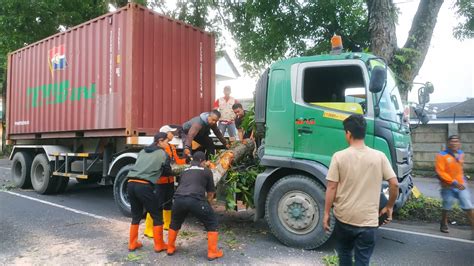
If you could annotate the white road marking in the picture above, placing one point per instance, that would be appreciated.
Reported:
(5, 168)
(428, 235)
(62, 207)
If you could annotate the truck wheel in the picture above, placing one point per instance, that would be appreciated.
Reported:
(41, 179)
(21, 168)
(120, 191)
(294, 211)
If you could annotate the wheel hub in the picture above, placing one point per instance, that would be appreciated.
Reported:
(298, 212)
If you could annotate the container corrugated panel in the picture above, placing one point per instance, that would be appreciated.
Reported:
(126, 73)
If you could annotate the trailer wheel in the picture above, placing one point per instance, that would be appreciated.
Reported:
(41, 179)
(294, 211)
(120, 191)
(21, 168)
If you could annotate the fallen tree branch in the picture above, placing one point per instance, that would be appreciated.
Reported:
(224, 161)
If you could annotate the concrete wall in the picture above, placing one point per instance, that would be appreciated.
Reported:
(429, 139)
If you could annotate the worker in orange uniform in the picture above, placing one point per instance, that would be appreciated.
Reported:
(165, 184)
(449, 167)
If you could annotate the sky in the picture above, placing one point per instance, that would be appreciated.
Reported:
(449, 64)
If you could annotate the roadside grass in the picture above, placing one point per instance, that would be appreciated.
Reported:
(428, 209)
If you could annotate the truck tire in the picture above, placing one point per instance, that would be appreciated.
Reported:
(21, 170)
(41, 179)
(120, 191)
(294, 211)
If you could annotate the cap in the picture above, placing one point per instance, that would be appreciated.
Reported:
(160, 136)
(167, 129)
(199, 156)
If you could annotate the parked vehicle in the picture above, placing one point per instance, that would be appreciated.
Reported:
(299, 107)
(82, 103)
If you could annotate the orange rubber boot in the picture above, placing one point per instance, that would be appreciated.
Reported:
(172, 234)
(133, 242)
(158, 238)
(212, 251)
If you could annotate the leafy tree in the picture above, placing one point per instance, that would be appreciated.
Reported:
(407, 60)
(465, 29)
(268, 30)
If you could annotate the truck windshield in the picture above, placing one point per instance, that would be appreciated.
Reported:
(391, 106)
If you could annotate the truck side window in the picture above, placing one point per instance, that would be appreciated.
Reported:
(335, 87)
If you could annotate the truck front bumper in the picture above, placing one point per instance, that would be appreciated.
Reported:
(405, 186)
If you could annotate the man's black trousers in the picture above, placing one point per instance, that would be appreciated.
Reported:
(165, 193)
(143, 195)
(200, 209)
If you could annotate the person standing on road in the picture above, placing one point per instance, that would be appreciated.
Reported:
(449, 167)
(198, 129)
(165, 184)
(224, 106)
(240, 115)
(190, 197)
(152, 162)
(353, 191)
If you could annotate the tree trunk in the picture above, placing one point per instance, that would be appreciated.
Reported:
(224, 161)
(407, 61)
(382, 18)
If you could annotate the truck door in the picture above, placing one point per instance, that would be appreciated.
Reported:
(326, 93)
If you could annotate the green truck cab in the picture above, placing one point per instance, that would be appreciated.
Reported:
(300, 104)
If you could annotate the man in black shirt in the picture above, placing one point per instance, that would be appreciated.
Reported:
(190, 197)
(240, 114)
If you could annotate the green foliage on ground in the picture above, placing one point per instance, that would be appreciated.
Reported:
(428, 209)
(330, 260)
(240, 181)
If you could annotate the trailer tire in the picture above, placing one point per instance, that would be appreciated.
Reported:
(41, 179)
(294, 211)
(21, 170)
(120, 191)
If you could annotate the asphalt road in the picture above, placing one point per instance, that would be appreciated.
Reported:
(83, 226)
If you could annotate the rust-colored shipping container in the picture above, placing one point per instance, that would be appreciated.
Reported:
(126, 73)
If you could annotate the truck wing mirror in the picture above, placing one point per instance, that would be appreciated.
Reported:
(377, 79)
(424, 93)
(421, 114)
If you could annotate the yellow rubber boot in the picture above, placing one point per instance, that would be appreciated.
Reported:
(148, 226)
(166, 219)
